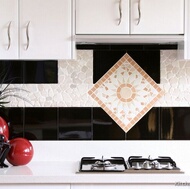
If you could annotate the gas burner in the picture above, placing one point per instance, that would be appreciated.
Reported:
(162, 162)
(113, 164)
(103, 165)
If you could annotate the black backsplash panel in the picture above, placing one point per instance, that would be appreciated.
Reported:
(175, 123)
(37, 72)
(40, 123)
(104, 127)
(147, 128)
(149, 61)
(40, 72)
(11, 71)
(15, 119)
(77, 123)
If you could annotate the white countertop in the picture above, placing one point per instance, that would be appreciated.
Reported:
(65, 172)
(57, 162)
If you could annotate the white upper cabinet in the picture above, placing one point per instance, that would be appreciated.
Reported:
(129, 16)
(157, 16)
(36, 29)
(8, 29)
(45, 29)
(102, 16)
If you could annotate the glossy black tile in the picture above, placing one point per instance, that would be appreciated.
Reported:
(75, 123)
(11, 71)
(29, 71)
(149, 61)
(147, 128)
(41, 71)
(175, 123)
(165, 123)
(40, 123)
(104, 127)
(4, 113)
(103, 61)
(14, 118)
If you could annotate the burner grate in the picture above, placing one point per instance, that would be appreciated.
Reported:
(92, 164)
(162, 162)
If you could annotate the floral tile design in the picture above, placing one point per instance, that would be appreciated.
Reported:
(126, 92)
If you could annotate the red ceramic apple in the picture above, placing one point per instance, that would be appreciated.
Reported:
(4, 128)
(21, 151)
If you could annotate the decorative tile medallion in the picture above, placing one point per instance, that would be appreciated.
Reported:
(126, 92)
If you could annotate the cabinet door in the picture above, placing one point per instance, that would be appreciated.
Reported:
(45, 29)
(157, 16)
(102, 16)
(8, 29)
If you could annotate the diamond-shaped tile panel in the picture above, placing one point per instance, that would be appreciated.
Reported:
(126, 92)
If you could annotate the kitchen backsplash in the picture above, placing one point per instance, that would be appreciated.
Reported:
(75, 79)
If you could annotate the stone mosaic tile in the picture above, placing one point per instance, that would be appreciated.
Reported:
(126, 92)
(175, 80)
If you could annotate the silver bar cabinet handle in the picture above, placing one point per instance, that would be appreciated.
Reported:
(9, 35)
(139, 11)
(120, 12)
(27, 36)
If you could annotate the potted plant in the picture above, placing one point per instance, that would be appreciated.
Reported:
(6, 91)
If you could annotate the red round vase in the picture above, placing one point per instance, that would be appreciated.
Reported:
(4, 128)
(21, 151)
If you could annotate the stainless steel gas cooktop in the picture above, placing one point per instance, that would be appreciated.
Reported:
(134, 164)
